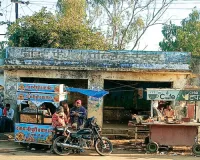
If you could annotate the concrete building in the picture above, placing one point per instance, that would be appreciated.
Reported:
(122, 73)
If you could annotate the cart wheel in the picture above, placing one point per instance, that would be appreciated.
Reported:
(152, 147)
(196, 149)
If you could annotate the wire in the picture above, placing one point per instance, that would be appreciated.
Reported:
(10, 12)
(123, 90)
(22, 10)
(29, 8)
(6, 6)
(41, 4)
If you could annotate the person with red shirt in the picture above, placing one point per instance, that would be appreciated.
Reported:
(59, 119)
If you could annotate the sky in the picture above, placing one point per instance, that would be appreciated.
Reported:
(177, 11)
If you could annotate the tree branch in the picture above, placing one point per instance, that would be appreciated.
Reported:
(153, 20)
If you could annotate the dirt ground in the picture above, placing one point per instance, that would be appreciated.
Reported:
(123, 149)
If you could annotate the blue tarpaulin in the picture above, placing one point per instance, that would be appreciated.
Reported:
(92, 93)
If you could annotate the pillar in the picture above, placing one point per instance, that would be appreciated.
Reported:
(95, 105)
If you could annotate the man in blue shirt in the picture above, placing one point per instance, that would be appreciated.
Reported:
(1, 112)
(77, 115)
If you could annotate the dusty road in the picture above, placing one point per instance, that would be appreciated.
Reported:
(43, 155)
(11, 151)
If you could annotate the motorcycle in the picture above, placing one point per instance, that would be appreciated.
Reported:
(86, 138)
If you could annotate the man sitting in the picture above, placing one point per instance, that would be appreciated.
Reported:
(59, 119)
(7, 124)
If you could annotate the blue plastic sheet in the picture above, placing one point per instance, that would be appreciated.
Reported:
(92, 93)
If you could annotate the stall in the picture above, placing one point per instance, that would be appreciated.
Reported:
(34, 120)
(181, 131)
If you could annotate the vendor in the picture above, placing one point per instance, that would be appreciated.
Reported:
(169, 112)
(46, 111)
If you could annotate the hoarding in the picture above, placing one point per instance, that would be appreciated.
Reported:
(33, 133)
(40, 97)
(40, 87)
(173, 94)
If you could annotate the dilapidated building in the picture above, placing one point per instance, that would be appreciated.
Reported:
(125, 74)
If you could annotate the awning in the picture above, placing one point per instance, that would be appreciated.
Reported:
(92, 93)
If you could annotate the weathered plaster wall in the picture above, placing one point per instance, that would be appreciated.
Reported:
(90, 59)
(179, 80)
(95, 81)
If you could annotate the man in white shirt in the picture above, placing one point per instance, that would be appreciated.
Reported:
(9, 112)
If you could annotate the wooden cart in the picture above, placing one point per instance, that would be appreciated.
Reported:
(162, 134)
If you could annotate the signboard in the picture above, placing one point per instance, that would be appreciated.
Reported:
(159, 94)
(33, 133)
(40, 97)
(40, 87)
(173, 94)
(98, 59)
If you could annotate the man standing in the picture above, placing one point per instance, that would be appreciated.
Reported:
(78, 115)
(66, 110)
(1, 112)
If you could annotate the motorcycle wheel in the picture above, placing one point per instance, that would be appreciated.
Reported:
(58, 149)
(103, 146)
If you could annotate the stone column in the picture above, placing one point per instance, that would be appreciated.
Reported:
(95, 105)
(10, 90)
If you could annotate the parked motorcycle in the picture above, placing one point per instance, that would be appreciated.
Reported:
(86, 138)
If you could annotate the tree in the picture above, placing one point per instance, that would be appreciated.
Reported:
(39, 30)
(43, 29)
(2, 49)
(72, 12)
(124, 22)
(185, 37)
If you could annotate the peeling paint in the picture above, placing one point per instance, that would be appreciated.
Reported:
(99, 59)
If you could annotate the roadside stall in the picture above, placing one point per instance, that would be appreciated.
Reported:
(174, 131)
(37, 103)
(34, 122)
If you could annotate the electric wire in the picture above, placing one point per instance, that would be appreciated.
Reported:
(10, 13)
(22, 9)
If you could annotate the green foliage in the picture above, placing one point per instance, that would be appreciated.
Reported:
(65, 30)
(185, 37)
(3, 49)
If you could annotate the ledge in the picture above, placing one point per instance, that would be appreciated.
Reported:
(30, 67)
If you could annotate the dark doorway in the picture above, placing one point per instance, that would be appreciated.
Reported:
(126, 97)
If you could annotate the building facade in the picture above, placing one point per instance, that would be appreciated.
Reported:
(96, 70)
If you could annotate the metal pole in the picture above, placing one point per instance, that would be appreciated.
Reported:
(152, 104)
(16, 10)
(195, 110)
